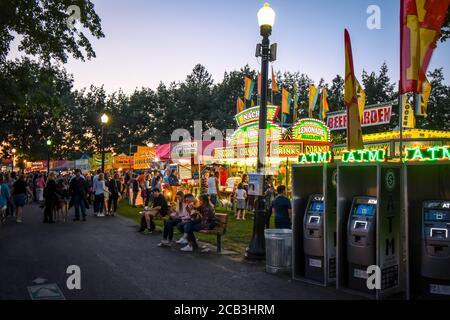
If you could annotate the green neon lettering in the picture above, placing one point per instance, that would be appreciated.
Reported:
(373, 155)
(303, 158)
(361, 154)
(416, 154)
(322, 157)
(349, 156)
(313, 157)
(432, 153)
(445, 153)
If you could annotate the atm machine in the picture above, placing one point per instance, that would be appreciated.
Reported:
(361, 241)
(313, 238)
(435, 251)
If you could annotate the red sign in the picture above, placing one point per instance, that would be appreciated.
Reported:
(371, 117)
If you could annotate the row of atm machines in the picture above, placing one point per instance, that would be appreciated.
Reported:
(360, 247)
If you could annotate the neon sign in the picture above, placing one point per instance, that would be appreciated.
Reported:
(365, 155)
(313, 157)
(311, 130)
(427, 154)
(252, 115)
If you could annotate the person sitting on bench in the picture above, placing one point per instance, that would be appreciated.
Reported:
(179, 218)
(159, 207)
(203, 219)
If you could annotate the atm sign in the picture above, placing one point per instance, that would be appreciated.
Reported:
(427, 154)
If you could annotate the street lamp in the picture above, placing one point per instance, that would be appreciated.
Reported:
(13, 151)
(49, 144)
(266, 20)
(104, 119)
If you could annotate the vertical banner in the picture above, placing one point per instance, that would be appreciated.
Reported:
(313, 96)
(354, 132)
(408, 119)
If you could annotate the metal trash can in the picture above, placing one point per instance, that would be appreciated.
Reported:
(278, 250)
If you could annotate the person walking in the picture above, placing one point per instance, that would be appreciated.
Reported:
(4, 198)
(213, 187)
(50, 196)
(78, 189)
(20, 192)
(114, 187)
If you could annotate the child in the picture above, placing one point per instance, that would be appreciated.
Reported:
(241, 196)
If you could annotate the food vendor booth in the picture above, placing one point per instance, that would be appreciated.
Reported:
(284, 145)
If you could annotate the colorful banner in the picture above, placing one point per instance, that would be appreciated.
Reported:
(354, 132)
(274, 82)
(123, 161)
(143, 160)
(313, 96)
(361, 100)
(372, 116)
(285, 101)
(420, 26)
(408, 119)
(324, 105)
(95, 162)
(240, 105)
(249, 85)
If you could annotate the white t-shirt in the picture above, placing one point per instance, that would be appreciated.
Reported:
(212, 185)
(241, 194)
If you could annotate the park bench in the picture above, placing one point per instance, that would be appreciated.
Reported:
(219, 230)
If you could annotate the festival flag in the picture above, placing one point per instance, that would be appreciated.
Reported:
(361, 99)
(286, 100)
(324, 104)
(408, 119)
(354, 132)
(295, 103)
(259, 84)
(420, 26)
(313, 96)
(253, 103)
(426, 92)
(249, 85)
(274, 82)
(240, 106)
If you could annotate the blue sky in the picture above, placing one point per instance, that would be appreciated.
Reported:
(148, 41)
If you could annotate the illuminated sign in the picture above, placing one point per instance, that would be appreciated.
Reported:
(428, 154)
(365, 155)
(280, 150)
(122, 161)
(372, 116)
(312, 158)
(249, 134)
(316, 149)
(311, 130)
(252, 115)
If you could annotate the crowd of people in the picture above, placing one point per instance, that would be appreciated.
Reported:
(160, 192)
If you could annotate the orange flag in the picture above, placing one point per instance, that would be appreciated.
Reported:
(420, 25)
(354, 132)
(259, 84)
(240, 106)
(274, 82)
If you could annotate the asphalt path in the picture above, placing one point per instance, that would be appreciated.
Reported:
(117, 262)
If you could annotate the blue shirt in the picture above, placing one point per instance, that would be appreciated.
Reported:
(281, 204)
(4, 195)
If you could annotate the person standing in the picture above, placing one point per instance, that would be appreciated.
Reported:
(94, 187)
(269, 195)
(50, 198)
(173, 183)
(148, 189)
(114, 187)
(282, 209)
(20, 191)
(241, 196)
(39, 185)
(213, 188)
(135, 187)
(99, 192)
(78, 189)
(4, 198)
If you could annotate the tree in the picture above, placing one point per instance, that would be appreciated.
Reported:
(44, 31)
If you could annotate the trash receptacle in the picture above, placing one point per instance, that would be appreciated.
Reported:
(278, 250)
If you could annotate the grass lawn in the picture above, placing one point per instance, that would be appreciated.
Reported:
(236, 238)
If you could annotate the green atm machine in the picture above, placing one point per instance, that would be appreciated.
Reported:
(314, 222)
(369, 225)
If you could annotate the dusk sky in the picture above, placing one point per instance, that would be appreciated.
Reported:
(151, 41)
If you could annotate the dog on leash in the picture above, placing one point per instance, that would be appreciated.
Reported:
(61, 210)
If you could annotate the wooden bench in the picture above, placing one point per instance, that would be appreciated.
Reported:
(219, 230)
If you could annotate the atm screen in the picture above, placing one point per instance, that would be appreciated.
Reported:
(316, 206)
(437, 215)
(365, 210)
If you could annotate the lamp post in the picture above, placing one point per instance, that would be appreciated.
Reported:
(13, 151)
(49, 145)
(266, 20)
(104, 119)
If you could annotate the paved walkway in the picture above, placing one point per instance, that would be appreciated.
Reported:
(119, 263)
